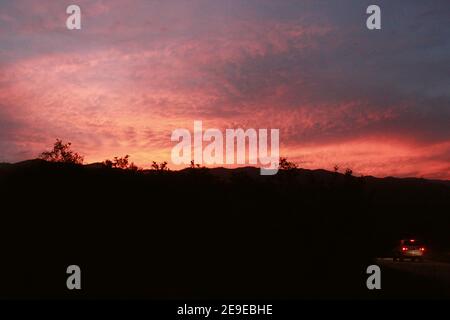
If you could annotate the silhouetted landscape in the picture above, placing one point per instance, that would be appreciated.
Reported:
(180, 111)
(211, 233)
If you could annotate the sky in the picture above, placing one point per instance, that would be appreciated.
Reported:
(376, 101)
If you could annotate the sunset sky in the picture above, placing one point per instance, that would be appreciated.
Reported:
(376, 101)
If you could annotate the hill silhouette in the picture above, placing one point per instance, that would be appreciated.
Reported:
(206, 233)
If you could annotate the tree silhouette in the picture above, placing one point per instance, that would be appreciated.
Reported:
(336, 168)
(61, 153)
(287, 165)
(160, 167)
(194, 165)
(121, 163)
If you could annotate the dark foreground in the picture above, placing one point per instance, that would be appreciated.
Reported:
(219, 233)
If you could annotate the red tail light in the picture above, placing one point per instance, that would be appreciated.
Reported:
(422, 249)
(404, 248)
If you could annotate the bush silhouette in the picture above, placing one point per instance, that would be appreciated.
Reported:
(121, 163)
(61, 153)
(336, 168)
(194, 165)
(160, 167)
(287, 165)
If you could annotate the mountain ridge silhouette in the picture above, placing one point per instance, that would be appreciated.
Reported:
(166, 234)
